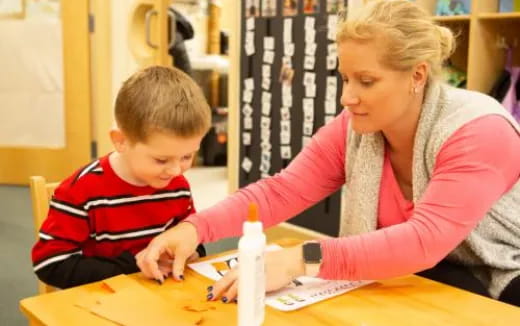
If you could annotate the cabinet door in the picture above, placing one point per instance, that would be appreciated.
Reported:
(44, 90)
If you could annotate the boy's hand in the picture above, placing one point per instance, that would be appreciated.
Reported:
(179, 243)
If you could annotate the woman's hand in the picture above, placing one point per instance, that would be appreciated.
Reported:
(281, 268)
(178, 244)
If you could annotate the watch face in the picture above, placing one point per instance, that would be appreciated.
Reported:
(312, 253)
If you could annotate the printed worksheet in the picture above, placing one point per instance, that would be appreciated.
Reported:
(302, 292)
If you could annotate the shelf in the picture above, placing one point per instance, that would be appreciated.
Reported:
(454, 18)
(499, 15)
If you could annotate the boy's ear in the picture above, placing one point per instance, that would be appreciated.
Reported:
(119, 140)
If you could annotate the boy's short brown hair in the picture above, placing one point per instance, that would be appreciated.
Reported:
(161, 99)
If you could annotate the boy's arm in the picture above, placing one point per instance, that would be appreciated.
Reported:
(57, 256)
(78, 269)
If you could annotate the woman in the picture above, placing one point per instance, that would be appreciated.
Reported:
(431, 173)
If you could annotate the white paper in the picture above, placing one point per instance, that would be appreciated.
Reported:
(285, 126)
(266, 83)
(331, 62)
(308, 62)
(247, 164)
(310, 91)
(288, 49)
(287, 30)
(248, 123)
(285, 138)
(285, 113)
(287, 100)
(265, 135)
(310, 22)
(246, 138)
(249, 84)
(308, 104)
(249, 49)
(332, 81)
(286, 60)
(308, 116)
(331, 34)
(266, 71)
(306, 140)
(266, 108)
(332, 49)
(309, 78)
(265, 145)
(250, 37)
(269, 56)
(265, 167)
(247, 110)
(266, 97)
(330, 107)
(268, 43)
(247, 96)
(285, 152)
(310, 48)
(302, 292)
(286, 90)
(250, 23)
(265, 122)
(310, 36)
(308, 128)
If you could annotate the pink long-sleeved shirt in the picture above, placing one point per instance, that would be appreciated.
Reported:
(474, 168)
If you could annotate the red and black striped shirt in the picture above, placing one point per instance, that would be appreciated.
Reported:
(97, 223)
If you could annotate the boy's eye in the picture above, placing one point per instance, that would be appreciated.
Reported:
(187, 157)
(161, 161)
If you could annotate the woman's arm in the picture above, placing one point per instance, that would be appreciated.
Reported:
(317, 171)
(474, 168)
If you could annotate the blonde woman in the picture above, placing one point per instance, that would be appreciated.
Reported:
(431, 173)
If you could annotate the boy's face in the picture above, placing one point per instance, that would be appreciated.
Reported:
(159, 160)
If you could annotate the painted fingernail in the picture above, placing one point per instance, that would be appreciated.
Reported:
(159, 282)
(181, 277)
(235, 300)
(210, 288)
(210, 296)
(224, 299)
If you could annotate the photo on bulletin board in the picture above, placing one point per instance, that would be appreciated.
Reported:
(311, 6)
(453, 7)
(286, 74)
(12, 9)
(268, 8)
(252, 8)
(290, 7)
(335, 6)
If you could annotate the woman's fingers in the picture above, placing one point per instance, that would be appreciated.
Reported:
(222, 286)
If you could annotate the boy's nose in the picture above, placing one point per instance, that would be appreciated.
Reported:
(174, 170)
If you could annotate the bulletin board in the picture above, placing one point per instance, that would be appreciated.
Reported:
(287, 50)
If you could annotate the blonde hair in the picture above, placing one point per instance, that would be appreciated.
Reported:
(408, 33)
(161, 99)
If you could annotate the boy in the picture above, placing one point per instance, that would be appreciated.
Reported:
(108, 211)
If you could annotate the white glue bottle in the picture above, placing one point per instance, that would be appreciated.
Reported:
(251, 275)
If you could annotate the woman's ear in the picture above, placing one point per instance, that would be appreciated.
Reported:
(420, 77)
(119, 140)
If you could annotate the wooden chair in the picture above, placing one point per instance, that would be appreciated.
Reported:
(41, 194)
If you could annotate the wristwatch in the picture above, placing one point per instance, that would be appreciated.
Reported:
(312, 258)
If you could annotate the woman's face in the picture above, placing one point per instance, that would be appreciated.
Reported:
(378, 97)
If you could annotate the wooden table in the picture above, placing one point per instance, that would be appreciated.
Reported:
(409, 300)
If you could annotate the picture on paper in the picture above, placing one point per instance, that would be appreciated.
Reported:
(311, 6)
(252, 8)
(268, 8)
(290, 7)
(335, 6)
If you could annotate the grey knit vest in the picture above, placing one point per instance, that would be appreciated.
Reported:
(492, 250)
